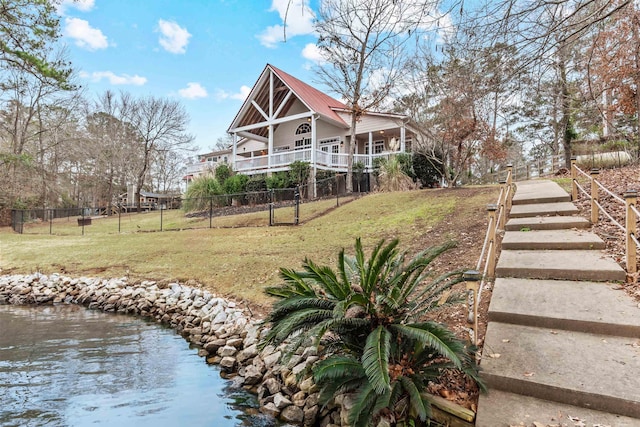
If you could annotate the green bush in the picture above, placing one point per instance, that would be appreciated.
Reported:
(278, 180)
(199, 193)
(426, 170)
(235, 184)
(299, 172)
(256, 183)
(223, 172)
(367, 316)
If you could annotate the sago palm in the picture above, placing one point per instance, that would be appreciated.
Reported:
(367, 317)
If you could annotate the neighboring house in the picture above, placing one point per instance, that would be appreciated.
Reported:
(206, 164)
(148, 200)
(284, 119)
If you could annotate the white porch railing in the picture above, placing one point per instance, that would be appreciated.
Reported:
(333, 161)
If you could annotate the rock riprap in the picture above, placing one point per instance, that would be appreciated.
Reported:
(226, 334)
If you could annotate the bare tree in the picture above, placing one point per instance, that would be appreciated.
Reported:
(364, 43)
(160, 124)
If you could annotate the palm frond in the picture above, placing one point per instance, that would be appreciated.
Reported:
(436, 337)
(288, 306)
(375, 359)
(361, 414)
(421, 407)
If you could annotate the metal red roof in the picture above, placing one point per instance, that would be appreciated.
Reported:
(316, 100)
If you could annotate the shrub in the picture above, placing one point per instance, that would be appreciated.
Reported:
(366, 315)
(392, 177)
(199, 193)
(223, 172)
(235, 184)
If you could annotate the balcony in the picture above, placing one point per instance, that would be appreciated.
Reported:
(324, 160)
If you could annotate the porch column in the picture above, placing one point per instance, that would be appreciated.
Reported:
(403, 144)
(314, 144)
(370, 150)
(234, 151)
(270, 148)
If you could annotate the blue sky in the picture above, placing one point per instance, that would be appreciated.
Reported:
(205, 53)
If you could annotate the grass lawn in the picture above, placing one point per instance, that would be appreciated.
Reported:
(241, 260)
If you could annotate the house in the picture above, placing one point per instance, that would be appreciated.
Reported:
(206, 164)
(284, 119)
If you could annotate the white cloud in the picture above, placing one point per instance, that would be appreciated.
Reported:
(114, 79)
(313, 53)
(173, 37)
(241, 95)
(193, 91)
(84, 35)
(82, 5)
(299, 21)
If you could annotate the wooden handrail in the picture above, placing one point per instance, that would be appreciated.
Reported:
(628, 200)
(475, 280)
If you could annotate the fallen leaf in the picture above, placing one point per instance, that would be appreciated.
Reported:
(494, 355)
(505, 340)
(528, 374)
(554, 332)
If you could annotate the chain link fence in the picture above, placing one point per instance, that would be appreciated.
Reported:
(288, 206)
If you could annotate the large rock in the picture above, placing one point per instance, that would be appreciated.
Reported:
(280, 401)
(228, 362)
(270, 409)
(292, 414)
(252, 375)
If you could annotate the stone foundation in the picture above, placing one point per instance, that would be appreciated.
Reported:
(225, 333)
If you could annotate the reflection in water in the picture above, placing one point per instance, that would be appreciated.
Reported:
(68, 366)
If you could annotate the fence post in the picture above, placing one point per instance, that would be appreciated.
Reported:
(574, 176)
(503, 204)
(50, 211)
(271, 208)
(595, 213)
(161, 217)
(119, 216)
(297, 206)
(509, 186)
(630, 197)
(472, 280)
(210, 211)
(528, 171)
(491, 255)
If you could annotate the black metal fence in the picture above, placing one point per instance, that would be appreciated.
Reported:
(250, 209)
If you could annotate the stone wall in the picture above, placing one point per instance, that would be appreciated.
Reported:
(225, 333)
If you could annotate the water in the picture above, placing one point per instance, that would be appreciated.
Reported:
(68, 366)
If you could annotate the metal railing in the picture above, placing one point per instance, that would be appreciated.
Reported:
(626, 202)
(485, 269)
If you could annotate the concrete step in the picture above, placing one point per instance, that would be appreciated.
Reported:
(559, 264)
(543, 209)
(528, 192)
(547, 223)
(598, 372)
(501, 409)
(551, 239)
(588, 307)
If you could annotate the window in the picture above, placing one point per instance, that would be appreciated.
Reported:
(303, 128)
(378, 147)
(304, 142)
(279, 149)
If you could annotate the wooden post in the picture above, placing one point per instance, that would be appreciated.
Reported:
(595, 213)
(574, 176)
(503, 204)
(528, 171)
(472, 279)
(509, 195)
(491, 256)
(630, 197)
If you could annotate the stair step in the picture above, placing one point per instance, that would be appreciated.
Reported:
(547, 223)
(542, 209)
(528, 192)
(588, 307)
(500, 408)
(559, 264)
(594, 371)
(551, 239)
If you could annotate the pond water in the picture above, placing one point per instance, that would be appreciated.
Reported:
(69, 366)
